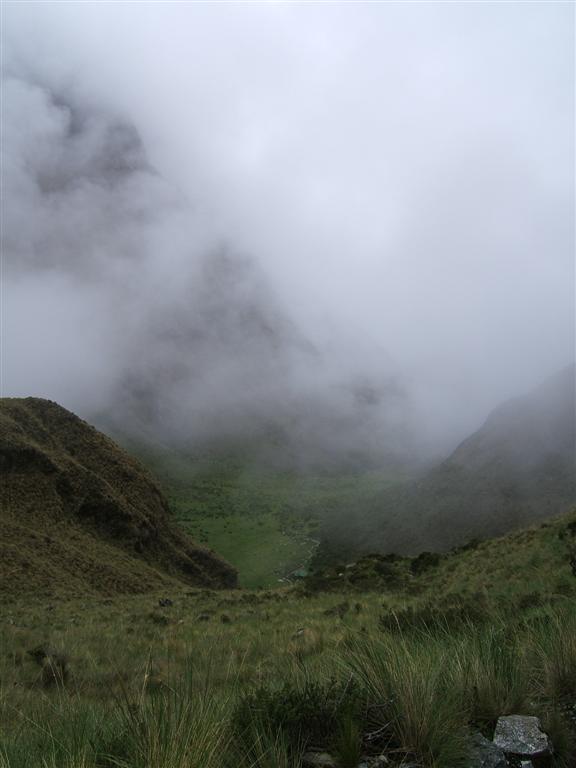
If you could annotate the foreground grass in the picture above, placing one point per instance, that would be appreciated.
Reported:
(253, 679)
(402, 656)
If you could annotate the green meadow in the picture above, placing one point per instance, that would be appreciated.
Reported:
(264, 521)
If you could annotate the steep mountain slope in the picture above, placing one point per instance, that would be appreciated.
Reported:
(520, 467)
(80, 516)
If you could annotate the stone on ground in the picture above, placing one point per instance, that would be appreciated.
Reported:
(521, 735)
(485, 754)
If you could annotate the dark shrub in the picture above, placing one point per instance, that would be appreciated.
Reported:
(304, 715)
(459, 614)
(424, 561)
(530, 600)
(472, 544)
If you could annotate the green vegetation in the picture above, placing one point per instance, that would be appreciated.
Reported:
(517, 569)
(247, 679)
(109, 659)
(257, 545)
(262, 519)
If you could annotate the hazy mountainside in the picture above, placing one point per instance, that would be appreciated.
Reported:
(526, 431)
(519, 467)
(80, 516)
(225, 370)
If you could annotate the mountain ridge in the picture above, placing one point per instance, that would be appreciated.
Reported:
(81, 516)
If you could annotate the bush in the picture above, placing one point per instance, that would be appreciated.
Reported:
(424, 561)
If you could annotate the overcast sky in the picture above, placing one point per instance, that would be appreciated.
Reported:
(396, 178)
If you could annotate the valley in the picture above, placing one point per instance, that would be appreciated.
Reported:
(311, 657)
(287, 384)
(263, 519)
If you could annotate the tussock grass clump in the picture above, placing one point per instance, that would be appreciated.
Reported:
(554, 652)
(180, 727)
(489, 667)
(411, 697)
(261, 748)
(66, 732)
(306, 642)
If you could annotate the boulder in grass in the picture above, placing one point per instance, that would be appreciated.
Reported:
(485, 754)
(522, 736)
(318, 760)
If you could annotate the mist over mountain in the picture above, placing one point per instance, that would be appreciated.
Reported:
(276, 230)
(518, 468)
(526, 431)
(214, 356)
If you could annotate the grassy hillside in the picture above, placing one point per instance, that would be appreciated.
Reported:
(216, 680)
(81, 517)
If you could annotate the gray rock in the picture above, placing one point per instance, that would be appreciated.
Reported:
(380, 761)
(318, 760)
(521, 735)
(485, 754)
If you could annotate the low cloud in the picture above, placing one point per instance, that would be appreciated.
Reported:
(351, 227)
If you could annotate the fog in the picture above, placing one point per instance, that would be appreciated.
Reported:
(348, 224)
